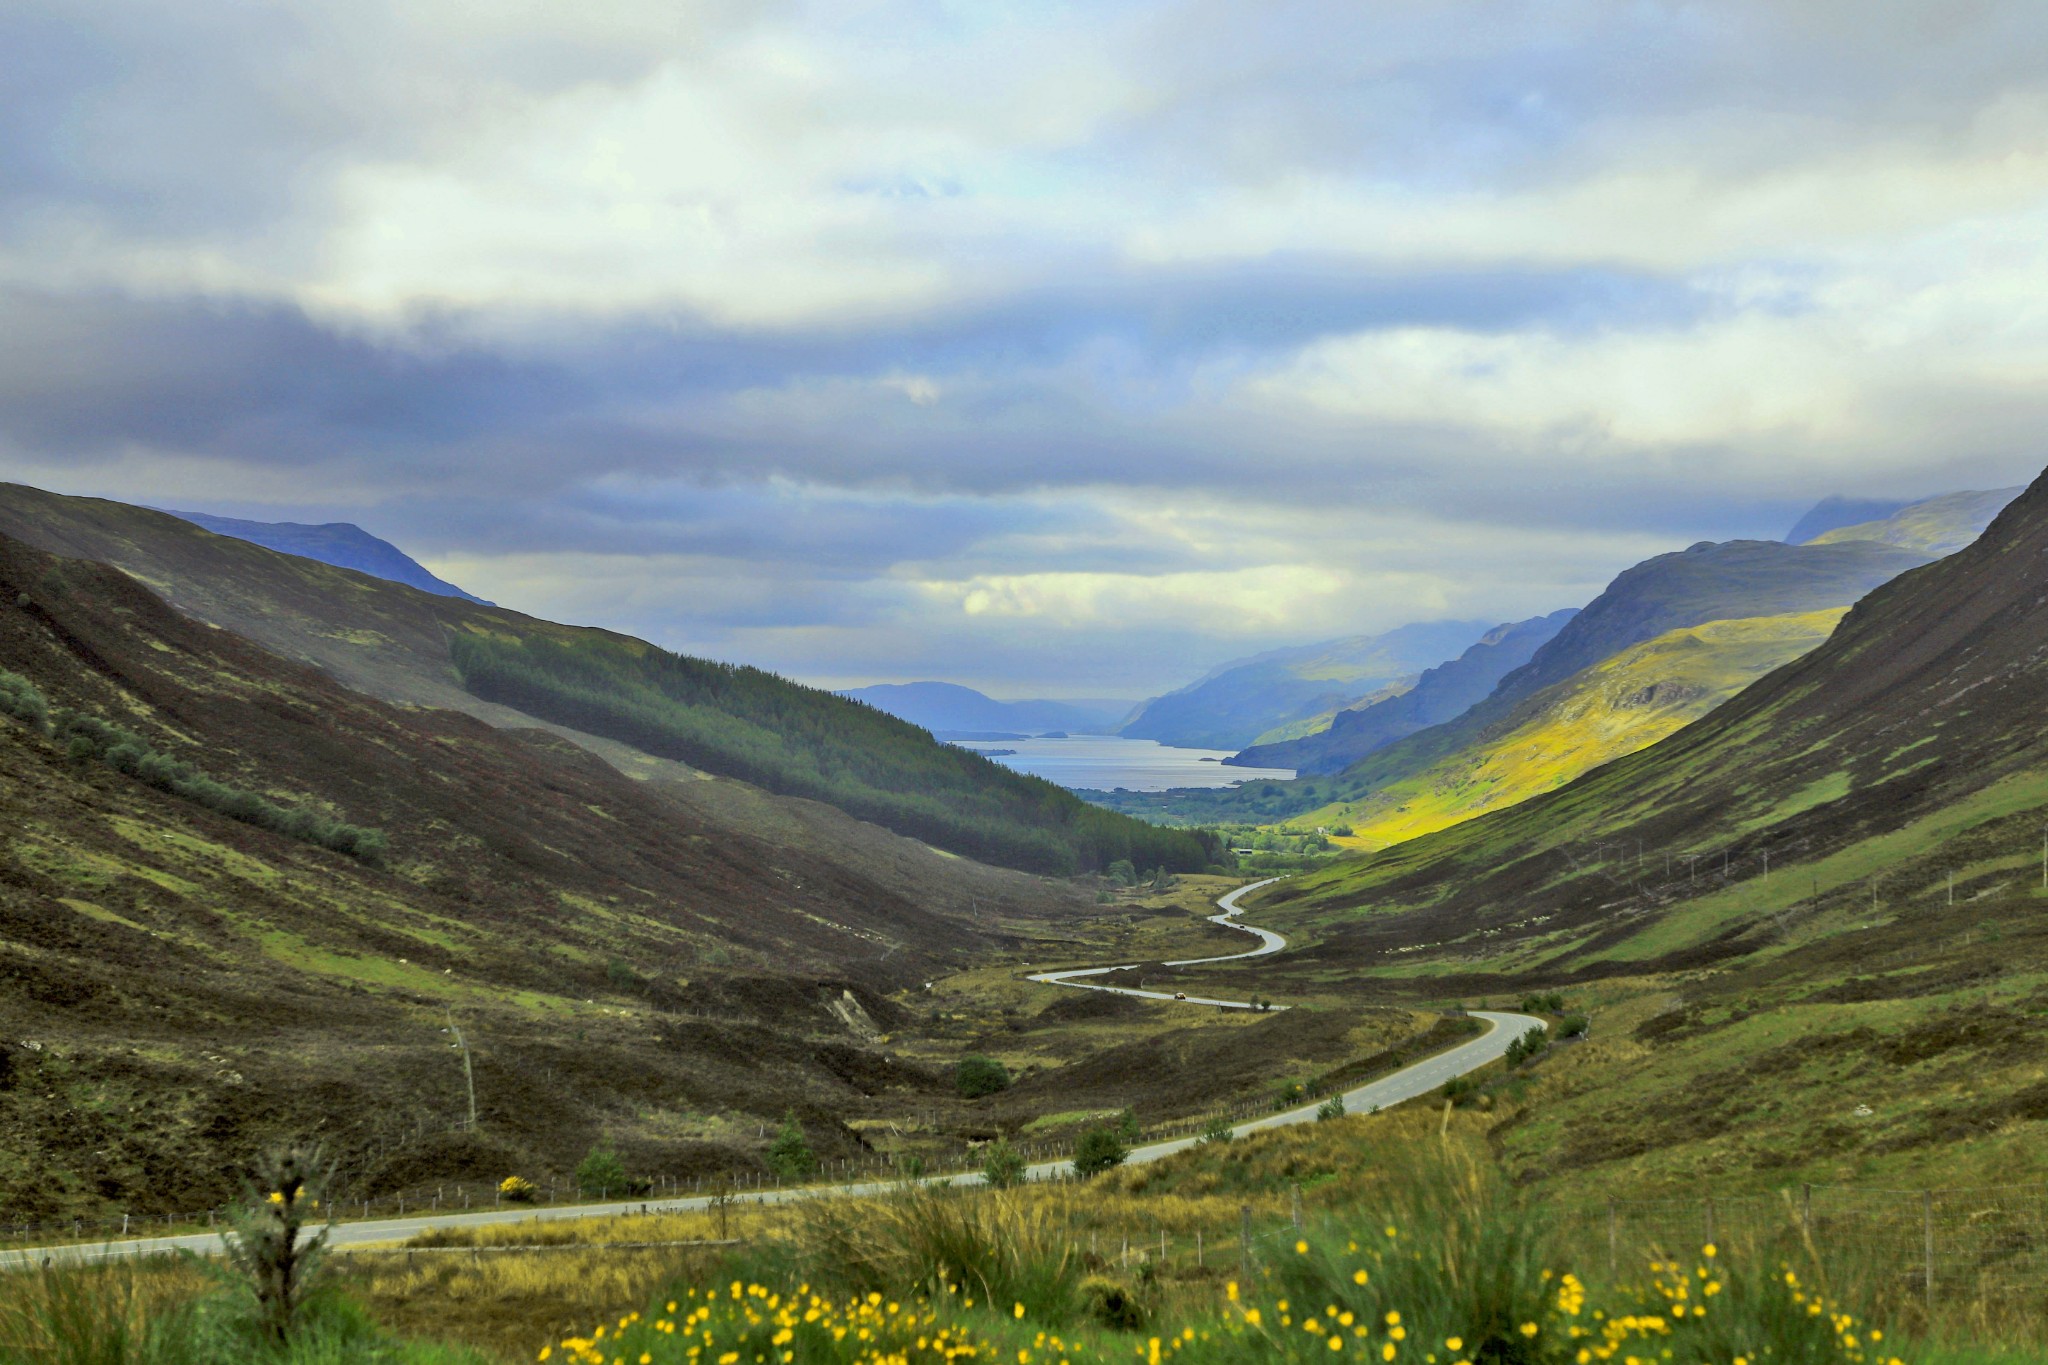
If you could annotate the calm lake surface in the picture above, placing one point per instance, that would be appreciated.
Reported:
(1106, 762)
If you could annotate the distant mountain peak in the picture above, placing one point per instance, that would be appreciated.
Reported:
(951, 709)
(1833, 513)
(340, 543)
(1936, 525)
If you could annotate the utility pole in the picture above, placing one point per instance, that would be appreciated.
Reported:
(1767, 867)
(468, 1073)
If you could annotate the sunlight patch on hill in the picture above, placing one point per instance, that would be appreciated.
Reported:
(1626, 703)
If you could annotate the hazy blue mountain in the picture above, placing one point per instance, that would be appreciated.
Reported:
(1830, 513)
(1440, 694)
(1237, 702)
(339, 543)
(948, 708)
(1935, 526)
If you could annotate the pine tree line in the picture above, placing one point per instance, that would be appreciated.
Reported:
(799, 741)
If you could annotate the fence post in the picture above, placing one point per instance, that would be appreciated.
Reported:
(1244, 1242)
(1613, 1237)
(1927, 1230)
(1806, 1210)
(1295, 1194)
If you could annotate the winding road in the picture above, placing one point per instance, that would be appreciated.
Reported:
(1269, 942)
(1411, 1082)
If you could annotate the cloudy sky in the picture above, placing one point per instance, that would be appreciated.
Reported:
(1055, 349)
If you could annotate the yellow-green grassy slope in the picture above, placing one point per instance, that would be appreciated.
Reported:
(1620, 705)
(1937, 526)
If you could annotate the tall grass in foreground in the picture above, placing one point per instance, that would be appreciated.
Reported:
(1449, 1266)
(133, 1313)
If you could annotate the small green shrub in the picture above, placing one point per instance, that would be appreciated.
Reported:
(1526, 1046)
(1573, 1026)
(1331, 1108)
(22, 700)
(1002, 1165)
(601, 1174)
(1098, 1150)
(978, 1076)
(1288, 1095)
(789, 1155)
(1546, 1002)
(1460, 1090)
(1217, 1131)
(516, 1189)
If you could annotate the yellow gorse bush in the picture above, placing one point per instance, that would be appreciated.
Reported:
(752, 1322)
(1676, 1315)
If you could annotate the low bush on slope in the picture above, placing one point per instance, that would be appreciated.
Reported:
(87, 737)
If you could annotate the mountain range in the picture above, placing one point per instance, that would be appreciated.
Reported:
(949, 709)
(623, 698)
(1237, 703)
(1441, 694)
(1906, 746)
(1666, 642)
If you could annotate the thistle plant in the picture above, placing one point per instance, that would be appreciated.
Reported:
(268, 1242)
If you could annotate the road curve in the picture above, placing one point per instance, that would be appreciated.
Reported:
(1409, 1083)
(1269, 942)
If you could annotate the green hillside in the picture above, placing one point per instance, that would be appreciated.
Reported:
(1619, 705)
(399, 644)
(1932, 526)
(799, 741)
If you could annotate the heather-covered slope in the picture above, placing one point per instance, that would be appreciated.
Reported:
(597, 687)
(1442, 693)
(196, 985)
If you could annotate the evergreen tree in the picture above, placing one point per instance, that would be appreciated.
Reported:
(789, 1155)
